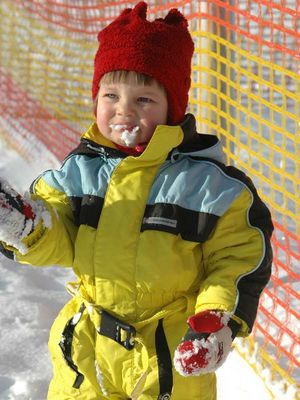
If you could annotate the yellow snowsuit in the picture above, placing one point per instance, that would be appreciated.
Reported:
(152, 239)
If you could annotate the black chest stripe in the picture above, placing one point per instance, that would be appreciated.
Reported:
(190, 225)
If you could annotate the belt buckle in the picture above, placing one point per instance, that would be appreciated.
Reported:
(113, 328)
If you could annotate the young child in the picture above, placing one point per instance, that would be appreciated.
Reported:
(170, 246)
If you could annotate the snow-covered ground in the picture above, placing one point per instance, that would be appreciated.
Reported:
(31, 297)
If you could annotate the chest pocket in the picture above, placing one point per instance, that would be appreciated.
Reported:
(190, 225)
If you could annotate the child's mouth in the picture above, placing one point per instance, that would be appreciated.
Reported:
(128, 133)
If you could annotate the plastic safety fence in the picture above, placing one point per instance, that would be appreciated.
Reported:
(245, 89)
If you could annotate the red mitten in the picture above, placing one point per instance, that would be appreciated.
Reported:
(207, 343)
(18, 216)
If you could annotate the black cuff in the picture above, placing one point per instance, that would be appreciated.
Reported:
(192, 335)
(234, 326)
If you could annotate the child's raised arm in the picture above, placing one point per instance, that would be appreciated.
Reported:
(31, 231)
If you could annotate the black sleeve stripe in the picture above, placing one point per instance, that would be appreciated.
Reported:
(251, 285)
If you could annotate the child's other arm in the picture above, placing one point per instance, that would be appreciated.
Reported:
(237, 260)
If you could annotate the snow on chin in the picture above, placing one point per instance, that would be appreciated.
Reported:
(128, 136)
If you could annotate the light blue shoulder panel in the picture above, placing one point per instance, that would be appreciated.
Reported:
(196, 185)
(81, 175)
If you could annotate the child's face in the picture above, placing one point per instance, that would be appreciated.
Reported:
(128, 113)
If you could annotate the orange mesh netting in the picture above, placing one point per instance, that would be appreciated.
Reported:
(245, 90)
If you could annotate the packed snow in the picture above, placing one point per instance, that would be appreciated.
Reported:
(31, 297)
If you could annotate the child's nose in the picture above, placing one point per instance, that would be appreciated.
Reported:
(125, 108)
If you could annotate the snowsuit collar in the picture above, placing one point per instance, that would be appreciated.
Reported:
(166, 142)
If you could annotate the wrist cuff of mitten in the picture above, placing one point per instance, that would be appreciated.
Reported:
(192, 335)
(210, 321)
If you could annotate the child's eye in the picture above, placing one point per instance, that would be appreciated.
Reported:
(145, 100)
(110, 95)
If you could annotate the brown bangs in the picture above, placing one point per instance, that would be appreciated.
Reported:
(127, 77)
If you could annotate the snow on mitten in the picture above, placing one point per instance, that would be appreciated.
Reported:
(18, 216)
(206, 344)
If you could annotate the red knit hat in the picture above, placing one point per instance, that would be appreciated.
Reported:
(161, 49)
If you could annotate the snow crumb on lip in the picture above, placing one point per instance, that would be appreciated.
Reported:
(128, 133)
(124, 127)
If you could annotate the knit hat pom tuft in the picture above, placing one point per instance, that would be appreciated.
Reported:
(141, 9)
(174, 17)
